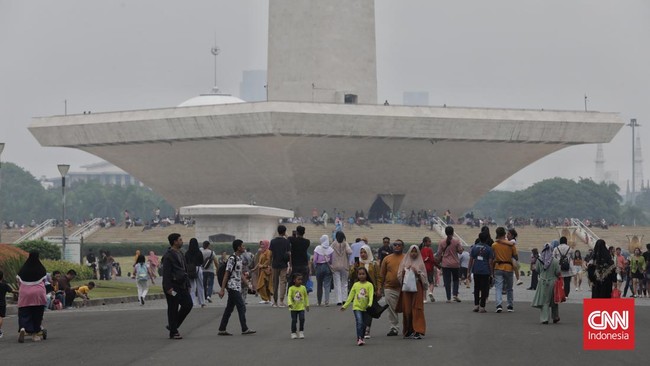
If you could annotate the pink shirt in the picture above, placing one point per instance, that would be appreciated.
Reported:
(450, 255)
(31, 294)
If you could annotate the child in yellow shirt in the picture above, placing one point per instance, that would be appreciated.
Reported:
(298, 303)
(361, 295)
(82, 292)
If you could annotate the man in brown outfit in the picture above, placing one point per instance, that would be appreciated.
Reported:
(390, 285)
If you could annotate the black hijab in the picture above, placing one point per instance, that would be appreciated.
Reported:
(601, 253)
(33, 270)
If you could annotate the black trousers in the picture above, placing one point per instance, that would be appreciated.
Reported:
(481, 289)
(30, 318)
(234, 300)
(534, 280)
(176, 315)
(295, 315)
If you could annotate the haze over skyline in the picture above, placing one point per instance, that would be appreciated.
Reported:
(103, 57)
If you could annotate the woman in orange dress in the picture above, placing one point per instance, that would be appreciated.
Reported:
(263, 268)
(411, 303)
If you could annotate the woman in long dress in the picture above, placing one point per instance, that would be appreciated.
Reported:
(601, 271)
(31, 298)
(340, 267)
(264, 285)
(154, 263)
(411, 304)
(194, 260)
(549, 271)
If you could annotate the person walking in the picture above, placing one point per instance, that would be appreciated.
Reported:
(578, 268)
(323, 267)
(411, 302)
(31, 298)
(504, 252)
(340, 267)
(232, 280)
(449, 249)
(533, 269)
(280, 258)
(154, 263)
(141, 276)
(366, 260)
(194, 260)
(298, 302)
(637, 271)
(430, 264)
(549, 271)
(361, 296)
(208, 268)
(176, 285)
(564, 254)
(601, 271)
(481, 261)
(299, 257)
(264, 285)
(389, 285)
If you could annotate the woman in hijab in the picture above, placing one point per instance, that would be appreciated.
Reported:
(194, 260)
(411, 304)
(366, 260)
(263, 269)
(340, 267)
(153, 266)
(601, 271)
(31, 298)
(549, 271)
(322, 260)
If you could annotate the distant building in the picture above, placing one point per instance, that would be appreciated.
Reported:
(416, 98)
(253, 86)
(103, 172)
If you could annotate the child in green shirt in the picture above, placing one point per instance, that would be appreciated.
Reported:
(361, 293)
(298, 303)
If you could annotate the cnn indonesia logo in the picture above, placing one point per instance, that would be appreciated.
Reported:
(608, 324)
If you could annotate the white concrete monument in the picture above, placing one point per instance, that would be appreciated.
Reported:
(306, 148)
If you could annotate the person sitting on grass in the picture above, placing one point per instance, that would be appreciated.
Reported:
(82, 292)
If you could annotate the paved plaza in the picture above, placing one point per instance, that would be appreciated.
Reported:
(129, 334)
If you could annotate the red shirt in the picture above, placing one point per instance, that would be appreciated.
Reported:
(427, 257)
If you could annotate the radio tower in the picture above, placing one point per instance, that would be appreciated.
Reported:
(600, 164)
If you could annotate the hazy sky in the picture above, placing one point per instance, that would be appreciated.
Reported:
(118, 55)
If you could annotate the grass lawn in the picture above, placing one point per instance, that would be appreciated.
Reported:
(106, 289)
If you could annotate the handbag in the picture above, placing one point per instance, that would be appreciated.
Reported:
(616, 293)
(558, 291)
(409, 283)
(375, 309)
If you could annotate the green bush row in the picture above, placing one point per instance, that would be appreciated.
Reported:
(45, 249)
(126, 249)
(83, 272)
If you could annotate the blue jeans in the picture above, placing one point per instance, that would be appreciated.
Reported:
(501, 279)
(234, 300)
(323, 282)
(208, 283)
(360, 319)
(295, 315)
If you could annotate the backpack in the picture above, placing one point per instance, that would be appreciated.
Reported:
(142, 274)
(221, 271)
(565, 265)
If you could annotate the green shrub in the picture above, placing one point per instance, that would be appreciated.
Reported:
(83, 272)
(10, 267)
(125, 249)
(45, 249)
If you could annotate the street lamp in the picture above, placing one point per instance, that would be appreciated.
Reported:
(2, 147)
(633, 124)
(63, 169)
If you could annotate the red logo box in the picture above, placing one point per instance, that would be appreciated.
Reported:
(608, 324)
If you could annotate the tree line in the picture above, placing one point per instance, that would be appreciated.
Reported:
(23, 199)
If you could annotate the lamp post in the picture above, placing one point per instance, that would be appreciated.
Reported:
(2, 147)
(63, 169)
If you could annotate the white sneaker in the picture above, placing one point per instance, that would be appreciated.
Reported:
(520, 282)
(301, 335)
(294, 336)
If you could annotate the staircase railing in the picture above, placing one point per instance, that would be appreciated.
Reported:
(87, 229)
(37, 232)
(439, 226)
(584, 232)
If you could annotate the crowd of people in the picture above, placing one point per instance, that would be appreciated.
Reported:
(281, 270)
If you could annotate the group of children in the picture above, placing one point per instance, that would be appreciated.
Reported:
(361, 296)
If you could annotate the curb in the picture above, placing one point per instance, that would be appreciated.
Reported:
(13, 309)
